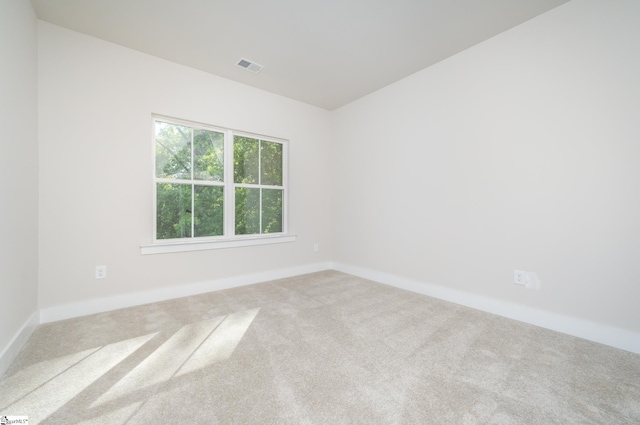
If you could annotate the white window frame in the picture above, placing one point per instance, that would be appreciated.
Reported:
(229, 239)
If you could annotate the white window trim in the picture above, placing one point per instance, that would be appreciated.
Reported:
(161, 246)
(198, 245)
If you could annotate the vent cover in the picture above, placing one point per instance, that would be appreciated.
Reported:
(249, 66)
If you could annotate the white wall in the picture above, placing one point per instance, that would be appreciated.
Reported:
(96, 101)
(520, 153)
(18, 174)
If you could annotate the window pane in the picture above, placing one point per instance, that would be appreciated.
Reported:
(247, 211)
(173, 151)
(245, 160)
(208, 210)
(271, 210)
(208, 155)
(270, 163)
(173, 211)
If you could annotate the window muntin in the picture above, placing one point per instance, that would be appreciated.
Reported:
(213, 183)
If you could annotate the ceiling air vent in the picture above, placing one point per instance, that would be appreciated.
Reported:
(250, 66)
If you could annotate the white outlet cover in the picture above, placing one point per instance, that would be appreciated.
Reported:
(519, 277)
(529, 280)
(101, 272)
(533, 282)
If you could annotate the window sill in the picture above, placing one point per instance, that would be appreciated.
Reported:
(182, 246)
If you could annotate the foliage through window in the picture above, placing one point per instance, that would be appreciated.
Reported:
(216, 183)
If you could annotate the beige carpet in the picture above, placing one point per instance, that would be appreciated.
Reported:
(326, 348)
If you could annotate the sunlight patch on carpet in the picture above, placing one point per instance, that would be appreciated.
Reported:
(221, 344)
(191, 348)
(52, 384)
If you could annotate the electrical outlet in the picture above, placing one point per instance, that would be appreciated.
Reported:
(316, 247)
(101, 272)
(519, 277)
(529, 280)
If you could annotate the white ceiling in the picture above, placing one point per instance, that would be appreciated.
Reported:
(322, 52)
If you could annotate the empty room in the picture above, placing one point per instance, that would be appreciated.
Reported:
(320, 212)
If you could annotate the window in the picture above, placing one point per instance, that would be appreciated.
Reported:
(257, 177)
(216, 186)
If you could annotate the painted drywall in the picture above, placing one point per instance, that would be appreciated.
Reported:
(18, 172)
(519, 153)
(95, 103)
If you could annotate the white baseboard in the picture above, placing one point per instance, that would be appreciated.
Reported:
(592, 331)
(99, 305)
(597, 332)
(11, 351)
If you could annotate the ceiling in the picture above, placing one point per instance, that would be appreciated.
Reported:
(325, 53)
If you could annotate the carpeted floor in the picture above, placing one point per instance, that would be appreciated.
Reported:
(325, 348)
